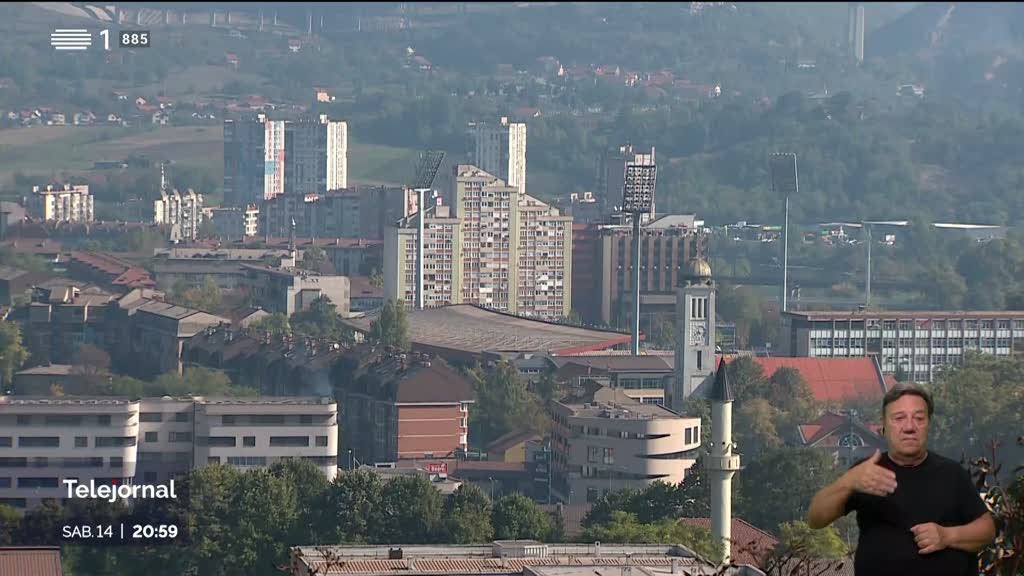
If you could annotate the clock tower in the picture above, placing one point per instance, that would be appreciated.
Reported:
(695, 334)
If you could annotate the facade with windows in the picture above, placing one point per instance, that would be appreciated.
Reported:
(614, 442)
(917, 344)
(44, 441)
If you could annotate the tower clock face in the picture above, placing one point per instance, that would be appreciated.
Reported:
(698, 335)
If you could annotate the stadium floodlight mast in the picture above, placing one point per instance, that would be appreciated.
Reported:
(426, 171)
(784, 181)
(637, 199)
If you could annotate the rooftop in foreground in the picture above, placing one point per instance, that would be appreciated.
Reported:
(526, 557)
(473, 329)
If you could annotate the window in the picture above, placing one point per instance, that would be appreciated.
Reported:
(116, 462)
(609, 456)
(267, 419)
(151, 417)
(63, 420)
(5, 482)
(37, 482)
(152, 437)
(40, 462)
(906, 325)
(291, 441)
(81, 441)
(24, 420)
(92, 462)
(103, 420)
(182, 417)
(249, 441)
(180, 437)
(305, 419)
(593, 454)
(1004, 324)
(38, 442)
(986, 324)
(227, 420)
(321, 441)
(221, 441)
(592, 494)
(247, 460)
(700, 360)
(115, 441)
(5, 441)
(689, 435)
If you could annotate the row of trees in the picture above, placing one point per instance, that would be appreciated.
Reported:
(234, 523)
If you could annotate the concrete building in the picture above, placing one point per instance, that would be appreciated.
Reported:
(63, 318)
(289, 290)
(61, 203)
(146, 336)
(442, 254)
(351, 213)
(108, 271)
(182, 211)
(642, 378)
(400, 406)
(264, 159)
(254, 160)
(612, 176)
(917, 343)
(153, 440)
(605, 441)
(501, 150)
(544, 260)
(602, 264)
(235, 223)
(508, 558)
(192, 266)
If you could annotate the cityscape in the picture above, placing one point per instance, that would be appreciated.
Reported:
(546, 289)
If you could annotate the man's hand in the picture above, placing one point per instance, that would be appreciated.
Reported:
(930, 537)
(870, 478)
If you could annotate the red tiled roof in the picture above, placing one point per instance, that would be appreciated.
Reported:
(30, 560)
(510, 439)
(831, 379)
(747, 539)
(827, 424)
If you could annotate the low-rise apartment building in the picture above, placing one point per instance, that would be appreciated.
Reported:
(611, 442)
(288, 290)
(61, 203)
(915, 343)
(153, 440)
(234, 223)
(61, 319)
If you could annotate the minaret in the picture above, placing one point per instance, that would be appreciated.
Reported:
(721, 464)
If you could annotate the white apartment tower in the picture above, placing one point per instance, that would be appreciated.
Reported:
(66, 203)
(500, 150)
(183, 211)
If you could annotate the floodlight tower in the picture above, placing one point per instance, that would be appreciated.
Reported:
(637, 199)
(784, 180)
(426, 171)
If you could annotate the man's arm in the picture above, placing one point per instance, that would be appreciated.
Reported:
(829, 503)
(867, 477)
(970, 537)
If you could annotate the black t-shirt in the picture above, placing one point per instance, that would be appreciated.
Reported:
(938, 490)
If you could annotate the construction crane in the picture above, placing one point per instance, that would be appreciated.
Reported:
(426, 171)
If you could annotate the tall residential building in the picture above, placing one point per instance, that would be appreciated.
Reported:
(501, 150)
(918, 344)
(265, 158)
(545, 260)
(609, 441)
(235, 223)
(612, 175)
(183, 211)
(441, 256)
(316, 156)
(62, 203)
(254, 160)
(153, 440)
(500, 250)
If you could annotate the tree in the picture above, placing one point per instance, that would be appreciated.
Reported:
(392, 326)
(503, 404)
(206, 298)
(10, 521)
(980, 399)
(275, 324)
(321, 321)
(264, 510)
(410, 511)
(658, 501)
(800, 550)
(41, 525)
(757, 427)
(623, 527)
(779, 486)
(351, 506)
(206, 512)
(312, 259)
(12, 353)
(1004, 496)
(310, 487)
(516, 517)
(467, 516)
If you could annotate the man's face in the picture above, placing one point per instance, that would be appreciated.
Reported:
(906, 426)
